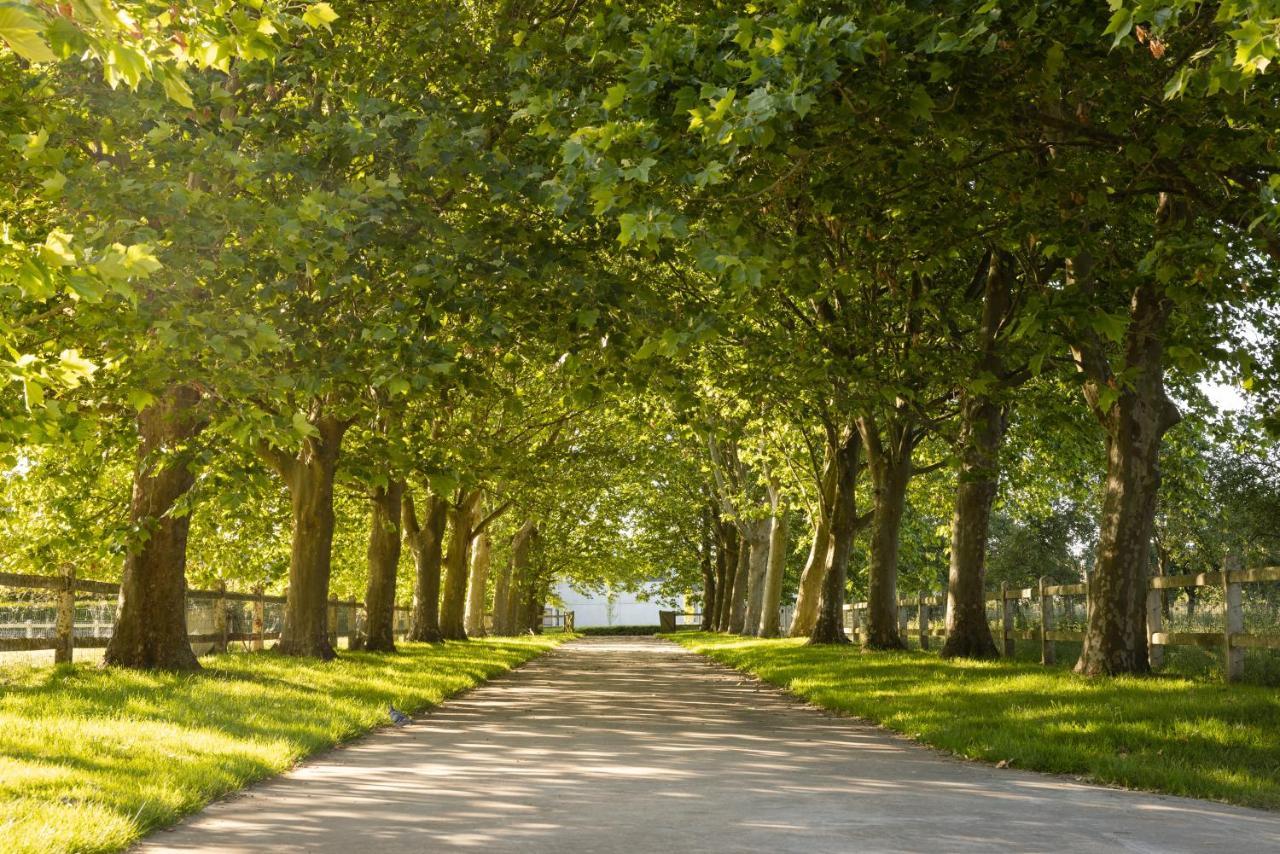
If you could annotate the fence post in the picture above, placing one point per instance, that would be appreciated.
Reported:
(220, 618)
(1048, 651)
(1155, 624)
(259, 618)
(1006, 619)
(904, 621)
(66, 619)
(922, 620)
(1233, 620)
(333, 621)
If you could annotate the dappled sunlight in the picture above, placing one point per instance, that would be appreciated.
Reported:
(609, 745)
(1159, 732)
(96, 756)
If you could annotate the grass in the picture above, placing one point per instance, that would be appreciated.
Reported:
(92, 759)
(1163, 734)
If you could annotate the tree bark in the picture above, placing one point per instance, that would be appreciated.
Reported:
(478, 588)
(521, 577)
(151, 621)
(502, 600)
(709, 587)
(982, 430)
(426, 542)
(770, 618)
(729, 555)
(1135, 422)
(1135, 412)
(384, 561)
(815, 568)
(453, 603)
(829, 626)
(741, 576)
(889, 464)
(759, 533)
(309, 476)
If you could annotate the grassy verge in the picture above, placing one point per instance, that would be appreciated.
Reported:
(1164, 734)
(90, 759)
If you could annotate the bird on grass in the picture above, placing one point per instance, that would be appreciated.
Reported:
(398, 717)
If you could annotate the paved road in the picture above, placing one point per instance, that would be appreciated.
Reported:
(634, 745)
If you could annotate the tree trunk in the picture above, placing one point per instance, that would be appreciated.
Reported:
(889, 464)
(770, 618)
(1135, 421)
(521, 578)
(829, 627)
(815, 568)
(732, 546)
(759, 533)
(981, 434)
(478, 589)
(708, 574)
(502, 600)
(426, 542)
(454, 601)
(384, 561)
(309, 476)
(151, 622)
(741, 576)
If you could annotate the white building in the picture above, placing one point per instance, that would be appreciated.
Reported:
(616, 607)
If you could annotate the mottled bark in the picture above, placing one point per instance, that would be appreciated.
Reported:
(889, 466)
(309, 476)
(522, 579)
(426, 543)
(829, 627)
(982, 427)
(502, 600)
(151, 621)
(1135, 422)
(709, 571)
(770, 618)
(462, 518)
(759, 532)
(741, 577)
(1134, 410)
(384, 561)
(478, 586)
(815, 568)
(729, 559)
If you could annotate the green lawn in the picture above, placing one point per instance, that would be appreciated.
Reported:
(92, 759)
(1165, 734)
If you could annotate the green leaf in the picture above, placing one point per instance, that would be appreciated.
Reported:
(319, 15)
(21, 30)
(614, 96)
(56, 251)
(177, 89)
(302, 426)
(34, 281)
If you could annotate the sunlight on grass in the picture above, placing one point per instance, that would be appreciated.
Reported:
(92, 759)
(1162, 733)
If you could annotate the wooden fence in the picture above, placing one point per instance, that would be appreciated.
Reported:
(64, 639)
(1232, 639)
(554, 618)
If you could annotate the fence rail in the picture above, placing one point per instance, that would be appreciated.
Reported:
(1232, 639)
(63, 639)
(554, 618)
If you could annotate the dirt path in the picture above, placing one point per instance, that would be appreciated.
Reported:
(635, 745)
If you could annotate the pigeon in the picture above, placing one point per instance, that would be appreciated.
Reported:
(398, 717)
